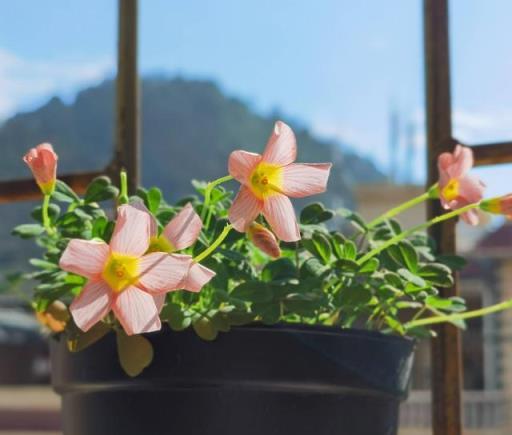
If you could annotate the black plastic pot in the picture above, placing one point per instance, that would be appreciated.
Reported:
(280, 380)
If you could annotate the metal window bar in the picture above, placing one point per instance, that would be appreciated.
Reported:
(126, 151)
(446, 348)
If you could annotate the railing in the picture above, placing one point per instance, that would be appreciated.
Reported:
(481, 409)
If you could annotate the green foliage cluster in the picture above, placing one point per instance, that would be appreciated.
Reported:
(319, 280)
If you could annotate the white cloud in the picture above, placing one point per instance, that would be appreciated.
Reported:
(24, 83)
(474, 127)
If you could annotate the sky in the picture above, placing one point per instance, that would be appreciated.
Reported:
(337, 66)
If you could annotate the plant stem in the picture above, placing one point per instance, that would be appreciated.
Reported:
(215, 244)
(123, 185)
(208, 192)
(429, 194)
(411, 231)
(46, 217)
(468, 315)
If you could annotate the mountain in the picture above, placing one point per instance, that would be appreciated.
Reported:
(189, 127)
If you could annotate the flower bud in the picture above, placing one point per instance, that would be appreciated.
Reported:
(55, 317)
(264, 239)
(42, 161)
(500, 205)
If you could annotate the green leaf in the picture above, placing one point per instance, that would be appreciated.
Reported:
(322, 246)
(404, 254)
(436, 273)
(78, 340)
(454, 262)
(135, 352)
(252, 291)
(100, 189)
(269, 313)
(43, 264)
(453, 304)
(205, 329)
(64, 193)
(350, 250)
(280, 269)
(53, 213)
(312, 267)
(411, 277)
(27, 231)
(98, 227)
(354, 296)
(354, 218)
(370, 266)
(175, 316)
(153, 198)
(314, 214)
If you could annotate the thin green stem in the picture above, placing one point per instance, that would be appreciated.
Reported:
(429, 194)
(411, 231)
(215, 244)
(46, 217)
(502, 306)
(208, 192)
(123, 188)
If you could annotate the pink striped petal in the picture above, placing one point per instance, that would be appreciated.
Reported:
(183, 230)
(132, 231)
(91, 305)
(159, 301)
(198, 276)
(245, 208)
(305, 179)
(85, 257)
(137, 311)
(462, 161)
(444, 161)
(281, 147)
(279, 213)
(471, 189)
(471, 217)
(241, 164)
(160, 272)
(139, 205)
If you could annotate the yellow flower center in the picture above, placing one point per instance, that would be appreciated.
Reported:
(266, 180)
(121, 271)
(451, 190)
(160, 244)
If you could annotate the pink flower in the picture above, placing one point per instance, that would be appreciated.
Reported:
(121, 278)
(501, 205)
(180, 233)
(456, 187)
(269, 180)
(264, 239)
(42, 161)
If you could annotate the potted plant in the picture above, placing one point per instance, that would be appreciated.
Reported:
(219, 316)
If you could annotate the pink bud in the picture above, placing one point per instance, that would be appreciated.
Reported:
(501, 205)
(42, 161)
(264, 239)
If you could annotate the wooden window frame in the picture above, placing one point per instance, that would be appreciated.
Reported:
(126, 150)
(447, 369)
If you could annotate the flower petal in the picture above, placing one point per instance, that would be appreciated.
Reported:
(471, 189)
(304, 179)
(198, 276)
(159, 301)
(160, 272)
(132, 231)
(183, 230)
(471, 217)
(281, 147)
(91, 305)
(85, 257)
(279, 213)
(137, 311)
(462, 161)
(245, 208)
(138, 203)
(241, 164)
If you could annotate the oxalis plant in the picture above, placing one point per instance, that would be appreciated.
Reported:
(125, 263)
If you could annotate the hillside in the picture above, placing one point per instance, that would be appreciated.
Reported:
(188, 130)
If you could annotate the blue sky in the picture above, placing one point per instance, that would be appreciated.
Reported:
(338, 66)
